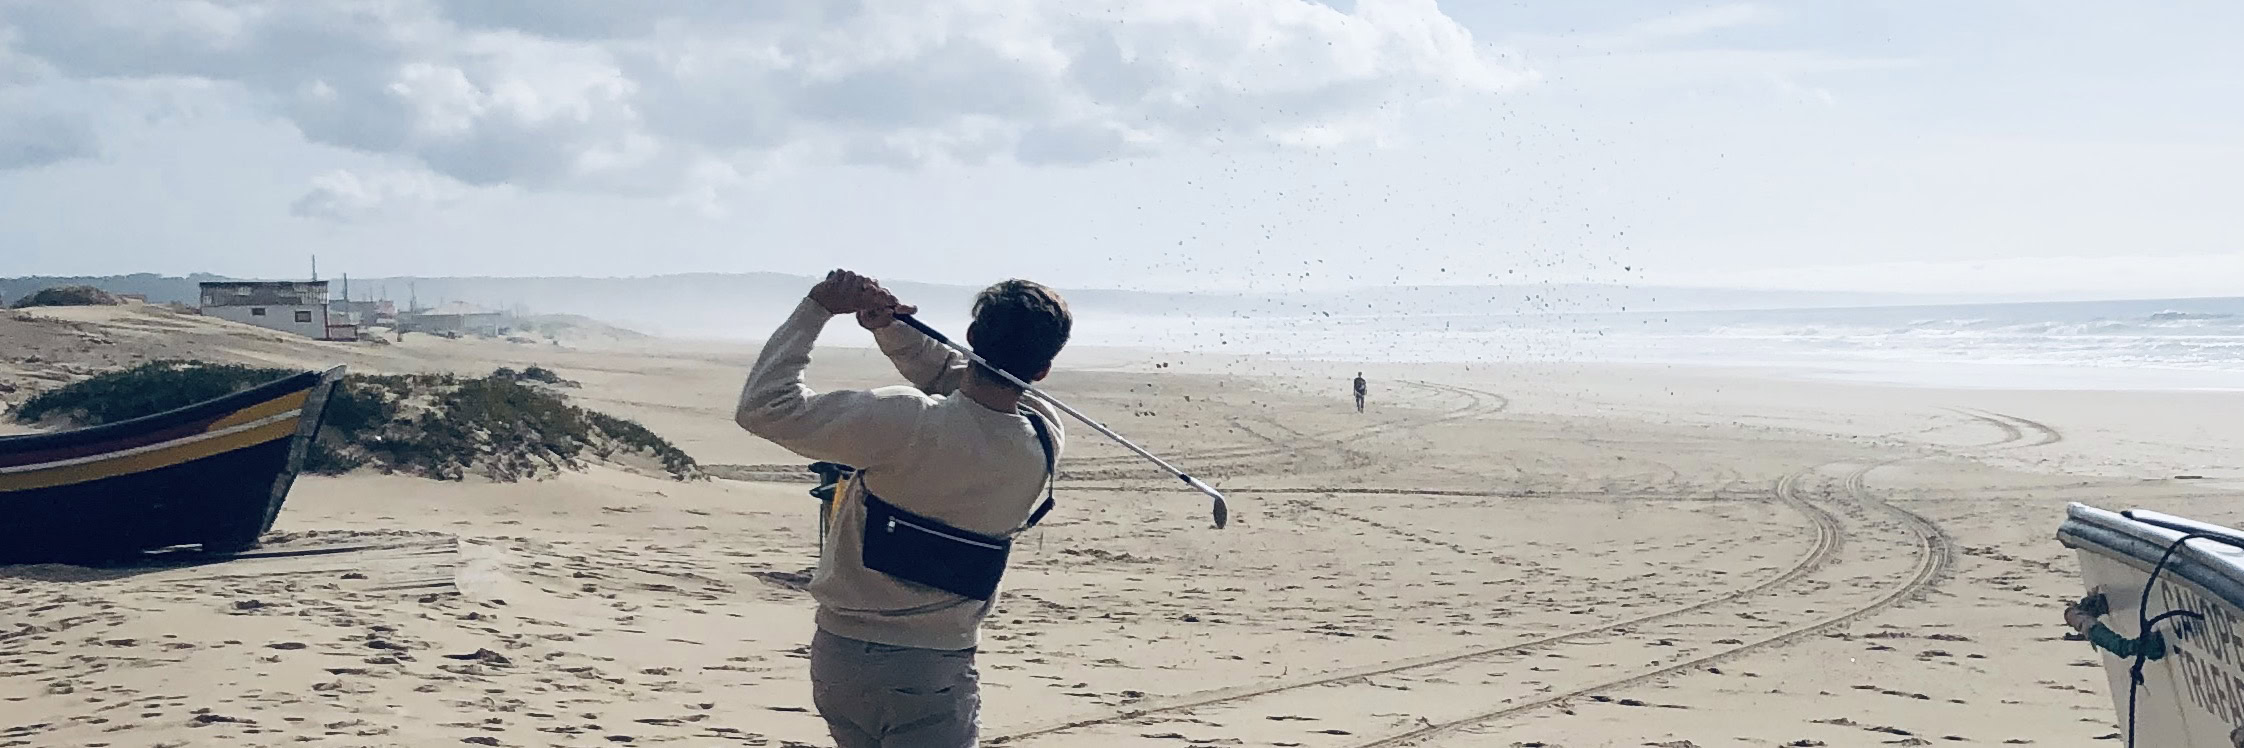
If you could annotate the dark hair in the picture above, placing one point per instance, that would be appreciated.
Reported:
(1020, 326)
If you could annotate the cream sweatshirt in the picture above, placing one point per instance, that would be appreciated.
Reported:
(931, 454)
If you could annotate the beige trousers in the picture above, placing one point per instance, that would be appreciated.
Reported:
(881, 696)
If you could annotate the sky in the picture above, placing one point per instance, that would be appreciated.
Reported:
(2024, 147)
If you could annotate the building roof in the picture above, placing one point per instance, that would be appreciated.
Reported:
(207, 284)
(263, 293)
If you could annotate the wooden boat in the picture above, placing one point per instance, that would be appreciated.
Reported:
(214, 474)
(2192, 689)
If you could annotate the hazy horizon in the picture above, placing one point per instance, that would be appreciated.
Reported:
(2109, 344)
(743, 306)
(1588, 295)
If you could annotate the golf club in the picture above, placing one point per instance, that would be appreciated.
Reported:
(1222, 513)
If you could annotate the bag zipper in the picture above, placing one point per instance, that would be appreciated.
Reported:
(893, 522)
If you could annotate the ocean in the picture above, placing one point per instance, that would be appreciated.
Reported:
(2191, 344)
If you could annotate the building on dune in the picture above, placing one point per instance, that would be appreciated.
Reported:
(298, 307)
(454, 317)
(364, 313)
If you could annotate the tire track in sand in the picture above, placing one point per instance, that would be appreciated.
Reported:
(1477, 403)
(1935, 554)
(2014, 429)
(1829, 535)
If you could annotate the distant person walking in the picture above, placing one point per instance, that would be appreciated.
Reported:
(1362, 388)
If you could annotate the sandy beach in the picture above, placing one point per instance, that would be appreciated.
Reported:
(1505, 555)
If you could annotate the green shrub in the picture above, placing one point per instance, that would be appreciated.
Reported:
(68, 296)
(541, 374)
(635, 437)
(433, 425)
(143, 390)
(534, 373)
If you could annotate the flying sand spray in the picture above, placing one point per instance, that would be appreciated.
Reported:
(1222, 513)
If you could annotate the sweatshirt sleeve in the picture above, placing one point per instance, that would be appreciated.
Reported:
(859, 428)
(932, 367)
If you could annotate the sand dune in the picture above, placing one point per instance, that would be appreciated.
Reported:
(1561, 556)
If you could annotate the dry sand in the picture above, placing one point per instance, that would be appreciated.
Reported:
(1511, 555)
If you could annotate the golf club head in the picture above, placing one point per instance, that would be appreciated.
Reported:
(1222, 512)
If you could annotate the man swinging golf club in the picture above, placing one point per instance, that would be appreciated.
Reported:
(946, 474)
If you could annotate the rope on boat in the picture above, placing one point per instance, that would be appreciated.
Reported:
(2150, 645)
(2082, 617)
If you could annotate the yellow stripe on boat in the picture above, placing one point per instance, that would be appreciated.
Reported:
(269, 408)
(152, 457)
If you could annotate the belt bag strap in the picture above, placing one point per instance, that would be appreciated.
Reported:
(1051, 467)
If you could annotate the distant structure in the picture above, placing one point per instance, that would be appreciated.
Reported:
(364, 313)
(454, 317)
(360, 312)
(298, 307)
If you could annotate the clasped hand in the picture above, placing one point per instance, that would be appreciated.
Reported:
(844, 292)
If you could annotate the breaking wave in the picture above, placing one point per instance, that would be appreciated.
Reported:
(2201, 335)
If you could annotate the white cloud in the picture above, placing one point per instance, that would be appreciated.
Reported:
(1677, 28)
(16, 68)
(1691, 23)
(350, 196)
(618, 97)
(35, 134)
(34, 130)
(1689, 52)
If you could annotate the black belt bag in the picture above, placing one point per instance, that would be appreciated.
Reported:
(927, 551)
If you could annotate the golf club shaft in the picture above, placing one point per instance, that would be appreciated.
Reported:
(1055, 402)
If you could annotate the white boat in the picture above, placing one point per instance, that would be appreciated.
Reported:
(2192, 689)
